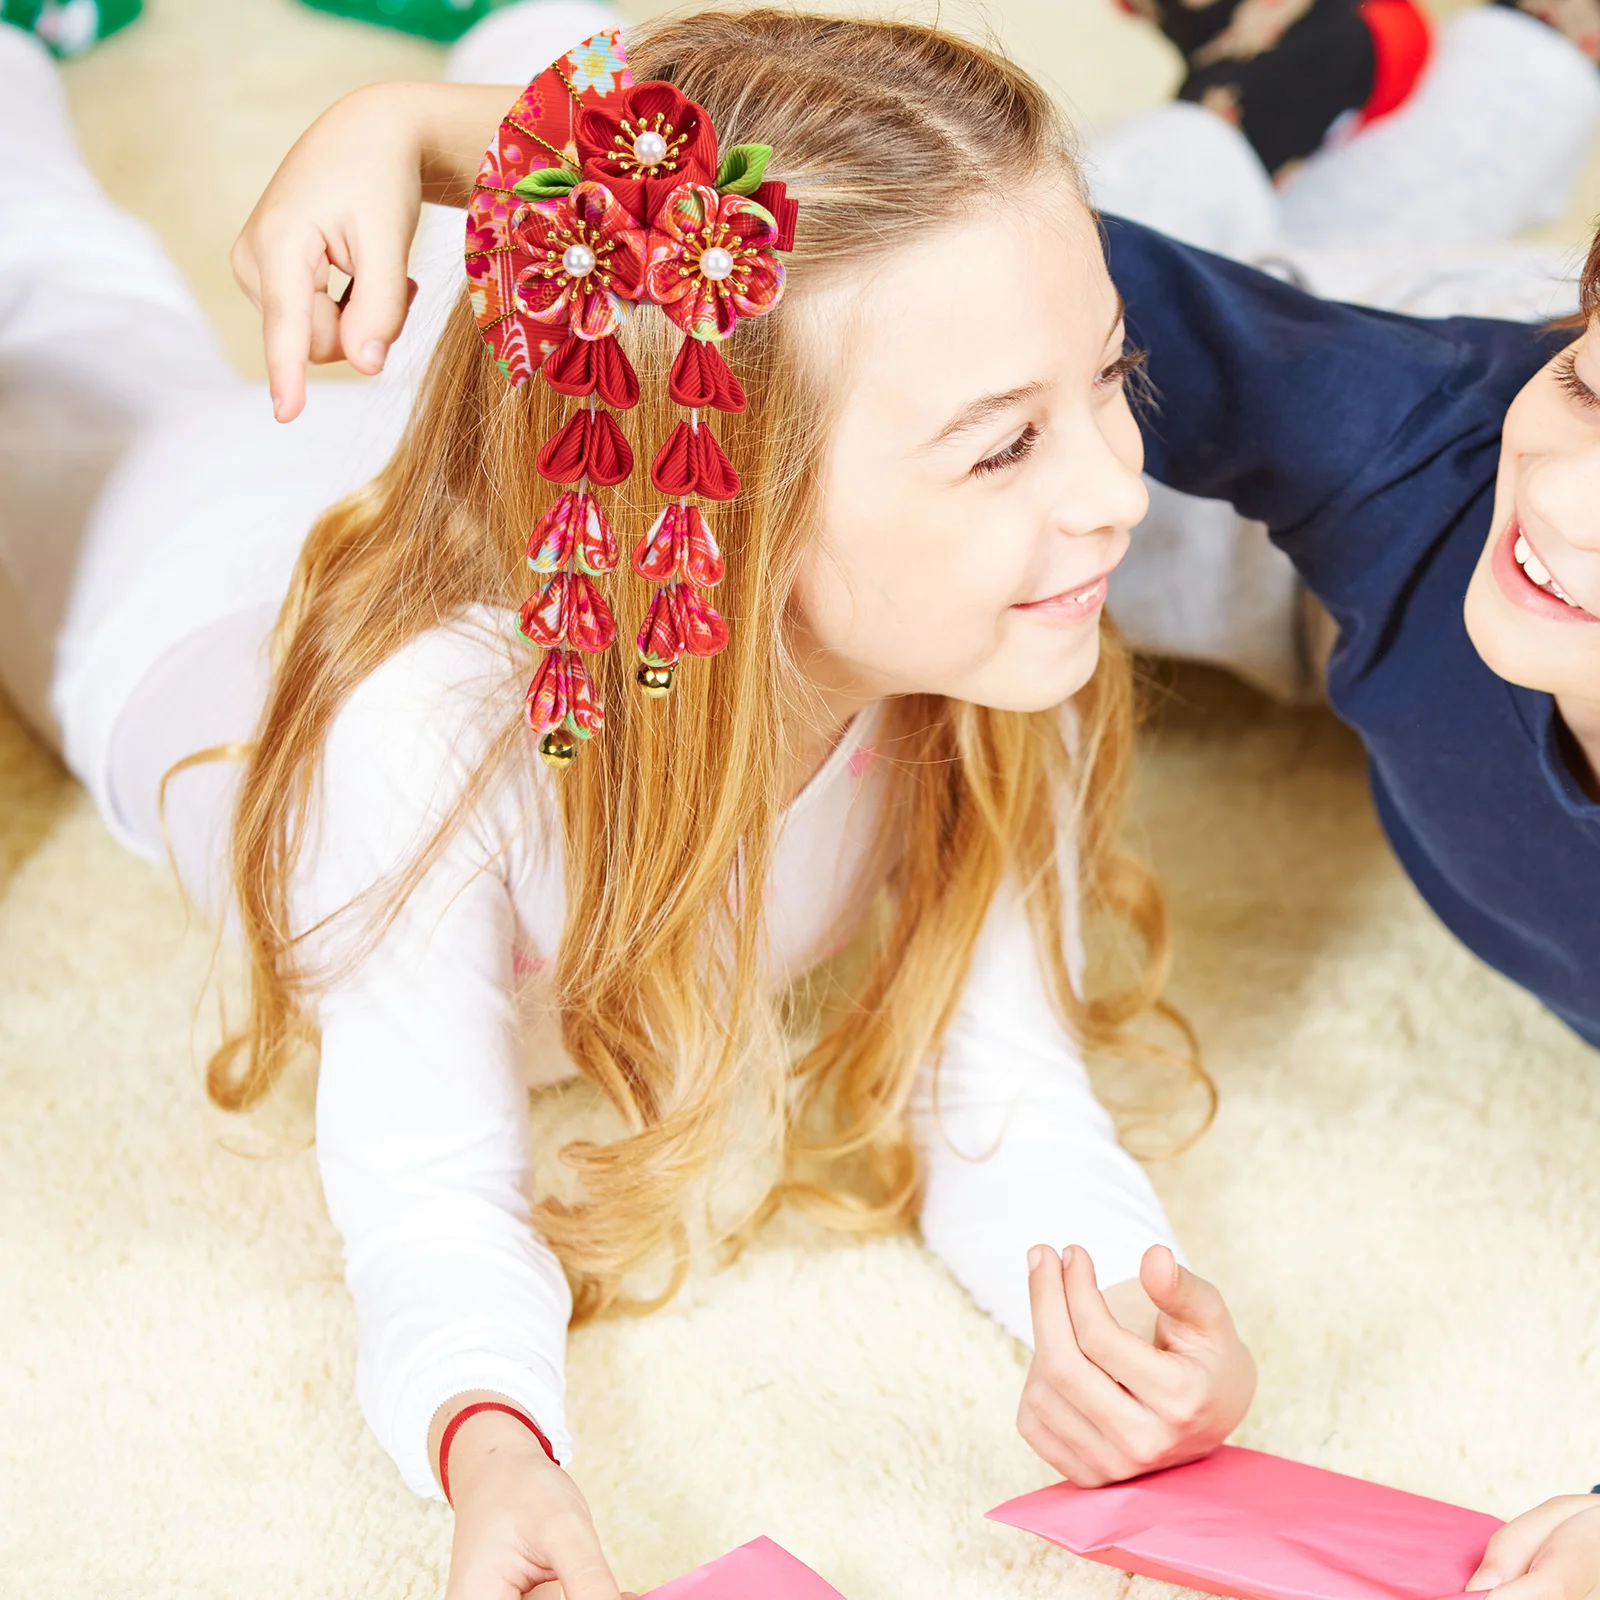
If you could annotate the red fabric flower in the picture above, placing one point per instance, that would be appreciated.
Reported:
(712, 260)
(588, 261)
(606, 139)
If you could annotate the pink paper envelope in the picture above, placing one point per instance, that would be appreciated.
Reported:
(1257, 1527)
(760, 1570)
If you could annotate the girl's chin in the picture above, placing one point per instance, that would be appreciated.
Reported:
(1526, 649)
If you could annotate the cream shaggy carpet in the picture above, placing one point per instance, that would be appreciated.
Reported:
(1399, 1195)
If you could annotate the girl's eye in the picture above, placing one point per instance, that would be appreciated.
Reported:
(1018, 450)
(1129, 362)
(1566, 371)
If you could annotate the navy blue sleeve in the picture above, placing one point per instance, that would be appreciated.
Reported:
(1332, 424)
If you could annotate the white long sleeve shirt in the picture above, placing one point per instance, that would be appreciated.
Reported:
(431, 1040)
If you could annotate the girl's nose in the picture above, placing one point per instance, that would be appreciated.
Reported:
(1103, 489)
(1561, 495)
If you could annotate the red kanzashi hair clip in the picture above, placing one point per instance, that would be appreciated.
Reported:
(597, 194)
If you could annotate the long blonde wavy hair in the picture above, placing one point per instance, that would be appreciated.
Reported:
(883, 131)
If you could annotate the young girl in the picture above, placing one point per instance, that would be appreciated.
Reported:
(912, 571)
(1409, 468)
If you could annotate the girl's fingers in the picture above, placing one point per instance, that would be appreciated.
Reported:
(1135, 1363)
(325, 343)
(1180, 1294)
(1058, 1453)
(288, 292)
(1052, 1325)
(1511, 1550)
(379, 298)
(571, 1549)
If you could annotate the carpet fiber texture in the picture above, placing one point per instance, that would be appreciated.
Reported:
(1398, 1196)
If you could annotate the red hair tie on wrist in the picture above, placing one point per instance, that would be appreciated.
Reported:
(454, 1426)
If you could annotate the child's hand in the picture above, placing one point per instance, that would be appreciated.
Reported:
(522, 1526)
(1100, 1403)
(1549, 1553)
(348, 195)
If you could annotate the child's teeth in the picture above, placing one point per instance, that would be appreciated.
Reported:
(1539, 573)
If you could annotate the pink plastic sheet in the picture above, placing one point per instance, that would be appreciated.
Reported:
(1257, 1527)
(760, 1570)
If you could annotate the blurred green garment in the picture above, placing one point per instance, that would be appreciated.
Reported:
(444, 20)
(69, 27)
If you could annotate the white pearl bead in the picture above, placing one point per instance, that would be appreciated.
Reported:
(577, 261)
(649, 149)
(716, 264)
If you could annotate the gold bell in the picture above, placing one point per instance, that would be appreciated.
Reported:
(558, 748)
(655, 681)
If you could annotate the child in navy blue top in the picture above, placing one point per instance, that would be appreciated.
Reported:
(1437, 484)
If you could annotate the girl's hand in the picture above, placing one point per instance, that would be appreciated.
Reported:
(522, 1527)
(1101, 1403)
(1549, 1553)
(349, 195)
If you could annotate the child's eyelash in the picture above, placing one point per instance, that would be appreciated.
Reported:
(1566, 371)
(1019, 449)
(1128, 363)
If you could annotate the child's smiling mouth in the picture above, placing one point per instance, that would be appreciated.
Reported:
(1528, 583)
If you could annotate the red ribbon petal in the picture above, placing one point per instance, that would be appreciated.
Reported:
(615, 378)
(569, 368)
(700, 626)
(596, 544)
(550, 544)
(659, 643)
(549, 694)
(673, 471)
(700, 378)
(714, 476)
(656, 556)
(565, 458)
(587, 713)
(610, 455)
(544, 617)
(589, 623)
(702, 560)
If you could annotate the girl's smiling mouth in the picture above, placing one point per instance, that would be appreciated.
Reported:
(1527, 583)
(1070, 605)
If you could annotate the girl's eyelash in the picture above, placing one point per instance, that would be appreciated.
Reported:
(1019, 449)
(1128, 363)
(1566, 371)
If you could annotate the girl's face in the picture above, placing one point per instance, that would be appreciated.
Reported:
(984, 472)
(1533, 606)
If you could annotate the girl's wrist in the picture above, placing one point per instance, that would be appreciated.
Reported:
(471, 1434)
(453, 124)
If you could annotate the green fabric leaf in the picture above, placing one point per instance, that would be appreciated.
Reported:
(742, 167)
(548, 183)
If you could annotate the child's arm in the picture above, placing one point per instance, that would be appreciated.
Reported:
(1016, 1149)
(348, 195)
(1347, 431)
(422, 1138)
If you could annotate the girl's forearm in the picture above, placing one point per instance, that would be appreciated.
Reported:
(450, 125)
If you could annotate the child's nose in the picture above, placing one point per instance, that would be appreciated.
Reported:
(1561, 494)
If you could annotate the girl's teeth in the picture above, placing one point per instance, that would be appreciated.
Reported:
(1538, 573)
